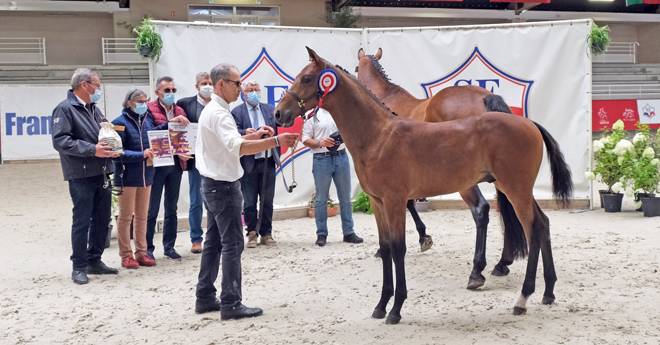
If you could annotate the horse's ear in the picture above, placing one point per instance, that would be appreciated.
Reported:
(313, 56)
(360, 53)
(379, 54)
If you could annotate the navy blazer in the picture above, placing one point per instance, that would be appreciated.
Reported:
(243, 122)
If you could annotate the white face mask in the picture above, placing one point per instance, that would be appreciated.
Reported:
(206, 91)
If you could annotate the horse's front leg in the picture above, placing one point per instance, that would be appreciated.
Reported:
(396, 216)
(386, 255)
(425, 241)
(479, 208)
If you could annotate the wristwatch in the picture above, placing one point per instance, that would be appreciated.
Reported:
(277, 141)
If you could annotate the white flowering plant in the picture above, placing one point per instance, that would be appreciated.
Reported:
(644, 172)
(614, 157)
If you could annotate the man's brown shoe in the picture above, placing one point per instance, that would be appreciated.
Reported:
(252, 239)
(196, 248)
(268, 240)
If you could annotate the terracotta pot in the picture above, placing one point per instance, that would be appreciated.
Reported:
(310, 212)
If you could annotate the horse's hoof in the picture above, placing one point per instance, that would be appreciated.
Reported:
(476, 283)
(393, 319)
(426, 243)
(379, 314)
(377, 255)
(519, 311)
(548, 300)
(500, 271)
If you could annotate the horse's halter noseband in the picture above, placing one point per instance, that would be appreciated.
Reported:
(302, 102)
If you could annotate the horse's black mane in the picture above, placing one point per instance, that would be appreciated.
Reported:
(372, 94)
(379, 68)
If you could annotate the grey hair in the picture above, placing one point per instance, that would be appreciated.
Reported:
(80, 75)
(163, 79)
(200, 76)
(221, 71)
(253, 82)
(132, 95)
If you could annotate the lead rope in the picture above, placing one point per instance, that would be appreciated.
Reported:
(293, 155)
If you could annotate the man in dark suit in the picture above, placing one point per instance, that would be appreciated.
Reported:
(193, 107)
(249, 116)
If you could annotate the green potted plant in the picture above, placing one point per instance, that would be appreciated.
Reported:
(363, 204)
(644, 173)
(149, 42)
(598, 39)
(613, 157)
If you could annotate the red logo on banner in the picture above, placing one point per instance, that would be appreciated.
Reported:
(606, 113)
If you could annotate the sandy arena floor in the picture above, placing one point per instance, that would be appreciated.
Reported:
(607, 293)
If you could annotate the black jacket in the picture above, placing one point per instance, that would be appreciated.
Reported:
(242, 117)
(75, 134)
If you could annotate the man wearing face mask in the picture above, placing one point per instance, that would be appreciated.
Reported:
(250, 116)
(86, 164)
(167, 178)
(193, 107)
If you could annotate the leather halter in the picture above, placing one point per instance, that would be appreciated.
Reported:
(302, 102)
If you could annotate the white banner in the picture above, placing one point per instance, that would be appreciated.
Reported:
(270, 55)
(26, 111)
(542, 71)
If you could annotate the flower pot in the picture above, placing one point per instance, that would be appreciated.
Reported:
(597, 47)
(651, 206)
(601, 192)
(332, 211)
(146, 50)
(310, 212)
(422, 206)
(640, 196)
(612, 202)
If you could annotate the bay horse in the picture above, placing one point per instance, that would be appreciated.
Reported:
(399, 159)
(455, 102)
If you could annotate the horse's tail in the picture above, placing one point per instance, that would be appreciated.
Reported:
(496, 103)
(562, 182)
(514, 234)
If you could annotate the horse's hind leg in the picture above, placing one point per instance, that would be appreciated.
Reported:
(531, 221)
(549, 274)
(502, 267)
(479, 208)
(425, 241)
(386, 256)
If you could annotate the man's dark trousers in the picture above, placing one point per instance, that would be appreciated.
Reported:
(168, 178)
(224, 237)
(91, 220)
(251, 184)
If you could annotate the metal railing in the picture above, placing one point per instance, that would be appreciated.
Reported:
(120, 50)
(625, 91)
(618, 52)
(23, 51)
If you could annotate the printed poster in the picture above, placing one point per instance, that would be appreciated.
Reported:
(183, 139)
(159, 141)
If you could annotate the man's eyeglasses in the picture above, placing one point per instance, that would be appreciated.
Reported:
(168, 90)
(237, 83)
(98, 86)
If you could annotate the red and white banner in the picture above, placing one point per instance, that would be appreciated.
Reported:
(630, 111)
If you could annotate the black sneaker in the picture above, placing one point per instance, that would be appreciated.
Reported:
(321, 240)
(100, 268)
(353, 238)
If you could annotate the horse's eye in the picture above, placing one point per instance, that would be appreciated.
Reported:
(305, 79)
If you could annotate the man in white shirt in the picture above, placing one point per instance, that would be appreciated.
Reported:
(219, 147)
(329, 165)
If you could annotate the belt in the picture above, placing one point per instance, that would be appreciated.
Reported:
(329, 154)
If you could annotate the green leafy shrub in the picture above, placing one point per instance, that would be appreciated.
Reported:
(363, 204)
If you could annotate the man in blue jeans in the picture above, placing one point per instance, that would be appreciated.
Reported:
(328, 166)
(193, 107)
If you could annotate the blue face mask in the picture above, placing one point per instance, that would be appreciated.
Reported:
(254, 98)
(140, 108)
(93, 98)
(169, 98)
